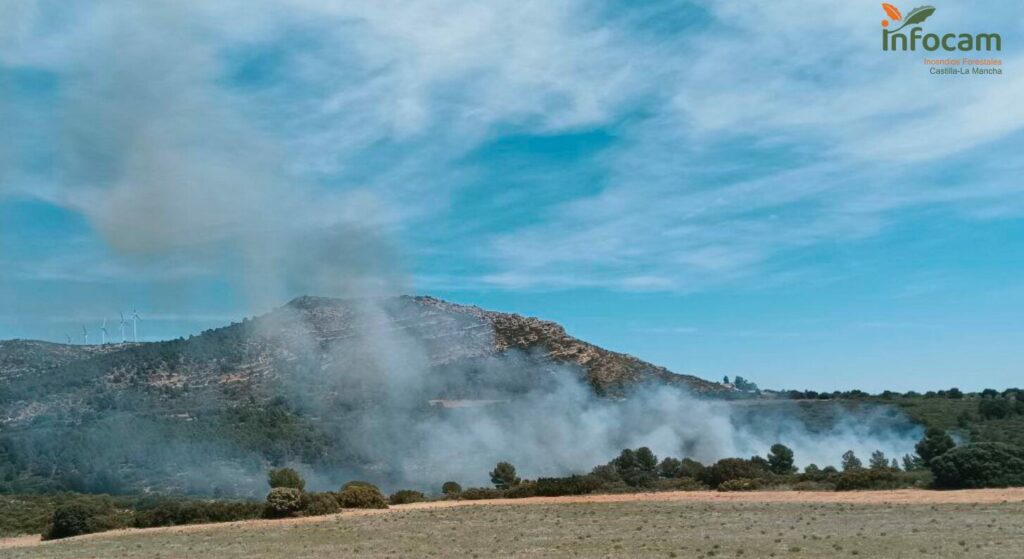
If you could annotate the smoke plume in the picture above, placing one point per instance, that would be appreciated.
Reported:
(538, 414)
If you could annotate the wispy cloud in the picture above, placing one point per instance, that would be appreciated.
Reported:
(770, 140)
(742, 134)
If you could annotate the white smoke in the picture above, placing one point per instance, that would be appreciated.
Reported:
(568, 430)
(387, 359)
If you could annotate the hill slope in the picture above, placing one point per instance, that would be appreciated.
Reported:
(456, 332)
(289, 386)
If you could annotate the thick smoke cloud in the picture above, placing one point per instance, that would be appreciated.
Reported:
(569, 430)
(542, 416)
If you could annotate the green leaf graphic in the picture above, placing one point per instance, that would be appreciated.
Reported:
(917, 15)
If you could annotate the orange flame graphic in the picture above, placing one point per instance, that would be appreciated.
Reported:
(892, 12)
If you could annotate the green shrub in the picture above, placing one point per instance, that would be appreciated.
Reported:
(860, 478)
(780, 459)
(935, 443)
(571, 485)
(405, 496)
(878, 461)
(638, 468)
(732, 468)
(740, 484)
(71, 520)
(828, 474)
(451, 488)
(521, 490)
(996, 408)
(921, 479)
(77, 518)
(851, 462)
(503, 475)
(691, 468)
(175, 512)
(617, 487)
(319, 504)
(282, 502)
(227, 511)
(669, 467)
(163, 513)
(606, 474)
(285, 477)
(107, 513)
(679, 484)
(979, 465)
(813, 486)
(362, 497)
(478, 493)
(33, 514)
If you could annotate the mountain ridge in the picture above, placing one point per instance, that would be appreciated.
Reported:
(331, 319)
(448, 333)
(607, 371)
(300, 384)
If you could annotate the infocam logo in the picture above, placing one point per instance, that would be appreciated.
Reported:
(897, 39)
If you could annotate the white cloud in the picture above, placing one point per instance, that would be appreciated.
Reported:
(767, 129)
(840, 136)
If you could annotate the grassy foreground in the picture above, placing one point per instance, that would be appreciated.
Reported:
(590, 529)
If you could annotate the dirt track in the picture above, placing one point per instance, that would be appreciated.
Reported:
(900, 497)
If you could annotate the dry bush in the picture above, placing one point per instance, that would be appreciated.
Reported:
(362, 497)
(282, 502)
(405, 496)
(740, 484)
(319, 504)
(478, 493)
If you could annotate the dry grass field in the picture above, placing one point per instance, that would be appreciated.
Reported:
(902, 524)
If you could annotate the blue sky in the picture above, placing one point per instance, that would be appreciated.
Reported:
(718, 187)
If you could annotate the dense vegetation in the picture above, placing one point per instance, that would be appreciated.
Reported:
(65, 515)
(937, 462)
(21, 514)
(406, 496)
(986, 416)
(979, 465)
(51, 455)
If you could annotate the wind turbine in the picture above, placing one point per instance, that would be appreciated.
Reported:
(135, 325)
(68, 336)
(103, 331)
(122, 326)
(85, 335)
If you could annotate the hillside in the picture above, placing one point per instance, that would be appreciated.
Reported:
(27, 357)
(288, 386)
(449, 333)
(460, 331)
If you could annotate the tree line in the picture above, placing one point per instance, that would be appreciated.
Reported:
(937, 462)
